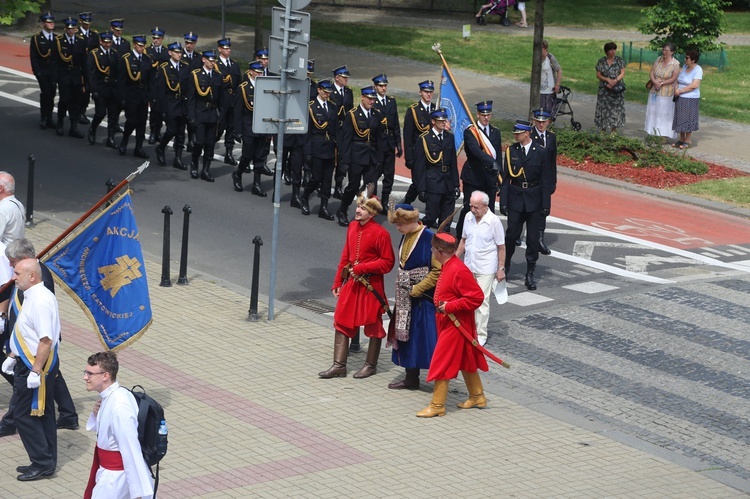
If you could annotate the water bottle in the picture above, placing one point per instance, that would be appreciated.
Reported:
(161, 441)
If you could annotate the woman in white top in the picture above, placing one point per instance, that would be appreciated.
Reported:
(688, 96)
(660, 108)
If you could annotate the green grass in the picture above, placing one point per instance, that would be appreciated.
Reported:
(734, 191)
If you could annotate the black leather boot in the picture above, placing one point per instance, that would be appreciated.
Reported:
(92, 135)
(342, 218)
(111, 139)
(123, 147)
(543, 249)
(74, 132)
(177, 163)
(229, 157)
(323, 210)
(305, 201)
(206, 172)
(295, 202)
(257, 188)
(60, 127)
(152, 137)
(530, 282)
(138, 152)
(83, 120)
(194, 163)
(161, 158)
(338, 191)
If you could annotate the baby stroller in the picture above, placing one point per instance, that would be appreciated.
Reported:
(498, 7)
(562, 108)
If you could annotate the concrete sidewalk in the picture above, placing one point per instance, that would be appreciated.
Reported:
(248, 417)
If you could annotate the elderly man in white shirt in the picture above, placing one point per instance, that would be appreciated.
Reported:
(12, 212)
(483, 247)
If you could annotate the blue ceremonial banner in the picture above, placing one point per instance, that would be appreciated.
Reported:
(457, 114)
(102, 268)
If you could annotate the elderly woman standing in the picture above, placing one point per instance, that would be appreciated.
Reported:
(688, 96)
(610, 100)
(660, 108)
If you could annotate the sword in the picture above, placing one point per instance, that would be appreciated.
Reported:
(364, 282)
(476, 344)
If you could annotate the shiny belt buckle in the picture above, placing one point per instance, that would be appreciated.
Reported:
(524, 185)
(106, 79)
(444, 169)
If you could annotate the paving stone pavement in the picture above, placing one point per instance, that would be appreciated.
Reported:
(249, 417)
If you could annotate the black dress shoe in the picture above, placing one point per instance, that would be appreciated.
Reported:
(265, 170)
(74, 132)
(92, 137)
(337, 193)
(67, 425)
(287, 179)
(530, 282)
(152, 138)
(194, 174)
(43, 124)
(83, 120)
(207, 176)
(122, 149)
(6, 431)
(140, 153)
(35, 474)
(258, 191)
(111, 143)
(237, 182)
(342, 219)
(160, 156)
(23, 469)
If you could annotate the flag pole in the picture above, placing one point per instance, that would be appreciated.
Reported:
(436, 48)
(98, 205)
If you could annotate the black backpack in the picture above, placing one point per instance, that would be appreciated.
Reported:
(150, 416)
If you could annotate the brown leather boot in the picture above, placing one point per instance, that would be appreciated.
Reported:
(410, 382)
(371, 363)
(476, 392)
(340, 353)
(437, 405)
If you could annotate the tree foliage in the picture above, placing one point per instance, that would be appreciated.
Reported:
(14, 10)
(689, 24)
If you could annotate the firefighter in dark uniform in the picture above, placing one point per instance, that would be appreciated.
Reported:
(482, 161)
(253, 144)
(70, 49)
(44, 66)
(172, 77)
(122, 47)
(231, 78)
(360, 149)
(416, 122)
(195, 61)
(343, 98)
(392, 143)
(204, 100)
(524, 195)
(262, 56)
(92, 43)
(158, 54)
(436, 170)
(547, 139)
(134, 88)
(102, 66)
(320, 149)
(313, 82)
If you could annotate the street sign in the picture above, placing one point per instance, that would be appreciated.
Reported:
(296, 4)
(267, 99)
(299, 25)
(297, 52)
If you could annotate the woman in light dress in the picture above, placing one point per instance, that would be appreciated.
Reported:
(660, 108)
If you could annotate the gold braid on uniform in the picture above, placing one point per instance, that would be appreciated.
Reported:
(174, 89)
(60, 51)
(224, 79)
(198, 90)
(130, 72)
(420, 128)
(36, 43)
(427, 151)
(510, 170)
(359, 132)
(244, 97)
(98, 66)
(315, 122)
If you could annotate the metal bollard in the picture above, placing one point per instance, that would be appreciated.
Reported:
(354, 345)
(30, 193)
(252, 314)
(182, 279)
(165, 280)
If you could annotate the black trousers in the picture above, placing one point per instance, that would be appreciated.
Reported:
(155, 118)
(388, 171)
(205, 140)
(292, 159)
(38, 434)
(70, 101)
(135, 119)
(322, 176)
(176, 130)
(468, 189)
(47, 90)
(105, 106)
(226, 126)
(533, 221)
(438, 207)
(358, 173)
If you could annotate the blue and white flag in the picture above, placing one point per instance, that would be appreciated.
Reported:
(450, 99)
(102, 268)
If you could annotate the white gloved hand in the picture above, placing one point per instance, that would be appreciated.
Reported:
(33, 381)
(8, 365)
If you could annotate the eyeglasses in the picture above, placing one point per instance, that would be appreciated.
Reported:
(88, 374)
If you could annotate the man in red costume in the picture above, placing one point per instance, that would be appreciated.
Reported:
(456, 293)
(366, 257)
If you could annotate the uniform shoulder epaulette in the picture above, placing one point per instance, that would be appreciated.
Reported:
(164, 64)
(245, 83)
(551, 131)
(423, 134)
(80, 36)
(196, 70)
(58, 37)
(125, 56)
(311, 102)
(414, 105)
(94, 31)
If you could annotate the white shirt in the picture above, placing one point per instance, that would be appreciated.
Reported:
(12, 219)
(686, 77)
(6, 271)
(39, 318)
(116, 427)
(482, 240)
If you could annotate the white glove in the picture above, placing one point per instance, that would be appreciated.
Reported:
(8, 365)
(33, 381)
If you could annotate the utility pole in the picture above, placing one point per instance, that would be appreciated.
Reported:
(536, 61)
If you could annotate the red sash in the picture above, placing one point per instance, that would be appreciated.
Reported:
(107, 459)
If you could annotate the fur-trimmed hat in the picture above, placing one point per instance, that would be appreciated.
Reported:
(369, 201)
(403, 214)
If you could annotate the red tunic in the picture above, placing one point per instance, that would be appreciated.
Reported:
(462, 295)
(368, 248)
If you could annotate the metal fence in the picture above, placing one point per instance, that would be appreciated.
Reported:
(630, 54)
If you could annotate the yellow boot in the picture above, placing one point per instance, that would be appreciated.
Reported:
(476, 392)
(437, 405)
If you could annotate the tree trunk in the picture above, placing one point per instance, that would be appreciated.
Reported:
(259, 36)
(536, 61)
